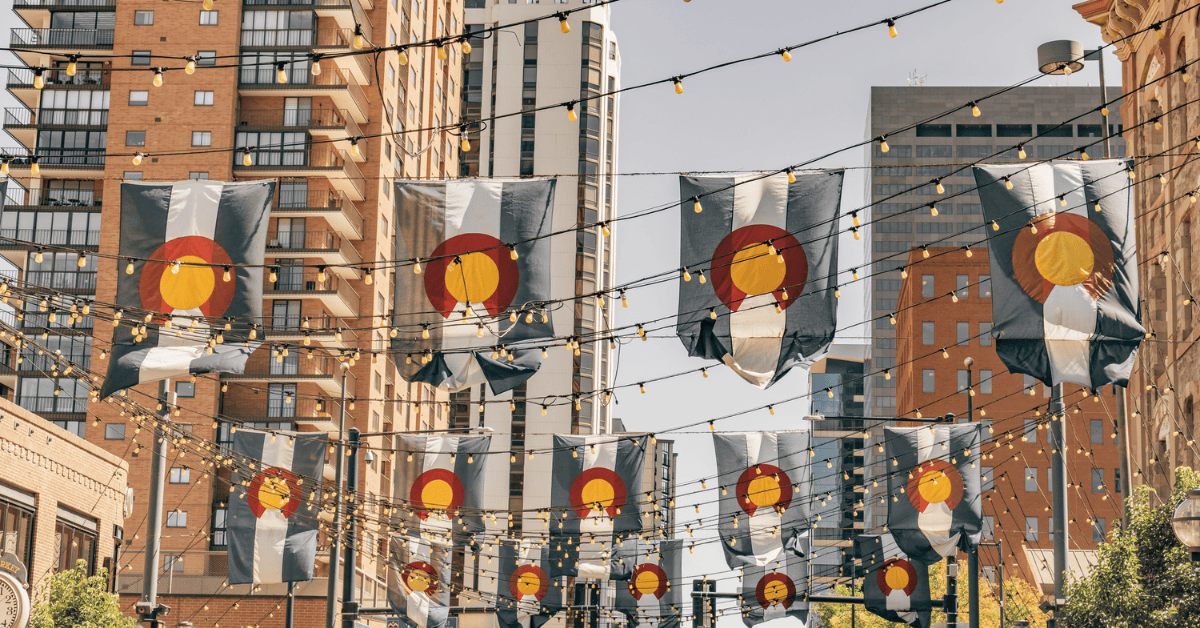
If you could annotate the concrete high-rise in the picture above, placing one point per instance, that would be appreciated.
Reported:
(927, 154)
(336, 140)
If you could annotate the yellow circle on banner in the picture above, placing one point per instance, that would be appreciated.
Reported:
(273, 493)
(529, 583)
(437, 495)
(473, 279)
(190, 287)
(647, 582)
(756, 271)
(763, 491)
(935, 487)
(598, 491)
(418, 580)
(775, 592)
(896, 578)
(1064, 258)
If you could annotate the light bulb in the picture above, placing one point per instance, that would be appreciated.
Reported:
(941, 189)
(904, 272)
(1062, 200)
(854, 230)
(887, 374)
(158, 77)
(358, 40)
(403, 58)
(1021, 152)
(190, 68)
(281, 75)
(975, 110)
(137, 158)
(892, 29)
(227, 276)
(1104, 111)
(925, 252)
(512, 252)
(883, 145)
(1157, 124)
(968, 250)
(72, 66)
(273, 277)
(466, 145)
(4, 167)
(791, 176)
(678, 86)
(854, 273)
(1008, 183)
(837, 292)
(854, 219)
(696, 205)
(82, 261)
(129, 268)
(247, 158)
(466, 47)
(933, 210)
(563, 25)
(34, 168)
(208, 5)
(787, 56)
(38, 81)
(995, 226)
(441, 53)
(314, 67)
(1083, 154)
(321, 274)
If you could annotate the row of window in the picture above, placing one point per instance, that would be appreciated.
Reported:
(1033, 486)
(1031, 529)
(984, 151)
(962, 284)
(962, 330)
(929, 381)
(1016, 130)
(146, 18)
(75, 535)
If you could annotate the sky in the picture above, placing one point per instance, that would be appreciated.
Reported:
(765, 115)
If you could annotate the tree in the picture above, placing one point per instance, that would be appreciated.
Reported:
(1144, 578)
(1023, 599)
(72, 598)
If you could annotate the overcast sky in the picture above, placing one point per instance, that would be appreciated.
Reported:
(769, 114)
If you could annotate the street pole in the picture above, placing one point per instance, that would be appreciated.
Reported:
(1000, 570)
(291, 605)
(335, 532)
(1099, 54)
(973, 555)
(149, 609)
(349, 607)
(1058, 479)
(1123, 453)
(950, 600)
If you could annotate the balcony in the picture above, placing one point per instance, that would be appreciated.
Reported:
(323, 371)
(323, 245)
(334, 293)
(346, 12)
(332, 82)
(327, 40)
(38, 11)
(23, 124)
(313, 160)
(41, 198)
(55, 237)
(328, 332)
(333, 124)
(273, 409)
(20, 83)
(55, 163)
(34, 45)
(74, 283)
(334, 207)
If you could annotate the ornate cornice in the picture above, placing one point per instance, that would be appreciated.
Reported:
(1118, 19)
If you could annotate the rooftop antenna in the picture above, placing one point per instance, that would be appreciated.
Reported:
(917, 79)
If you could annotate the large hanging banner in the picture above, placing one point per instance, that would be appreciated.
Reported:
(474, 293)
(272, 527)
(895, 587)
(776, 590)
(419, 581)
(768, 250)
(934, 480)
(441, 481)
(1065, 303)
(765, 479)
(526, 595)
(596, 498)
(654, 593)
(196, 233)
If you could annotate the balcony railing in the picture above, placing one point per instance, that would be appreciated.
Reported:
(62, 158)
(23, 78)
(273, 408)
(60, 237)
(299, 118)
(316, 38)
(262, 365)
(302, 160)
(329, 4)
(20, 116)
(338, 210)
(320, 327)
(62, 280)
(61, 404)
(303, 199)
(51, 197)
(308, 282)
(61, 38)
(304, 240)
(63, 4)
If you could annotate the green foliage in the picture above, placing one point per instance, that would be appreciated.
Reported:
(71, 598)
(1023, 599)
(1145, 578)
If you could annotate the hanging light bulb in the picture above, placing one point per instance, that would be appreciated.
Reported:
(34, 169)
(281, 75)
(403, 57)
(228, 276)
(1157, 124)
(1008, 183)
(995, 226)
(247, 156)
(274, 276)
(562, 23)
(787, 56)
(38, 81)
(791, 176)
(854, 219)
(1083, 154)
(975, 110)
(837, 292)
(891, 24)
(883, 144)
(137, 158)
(4, 166)
(466, 144)
(358, 37)
(904, 272)
(925, 251)
(72, 65)
(933, 211)
(696, 204)
(1021, 151)
(321, 274)
(354, 150)
(158, 77)
(679, 85)
(466, 47)
(208, 5)
(441, 53)
(129, 268)
(190, 68)
(854, 273)
(968, 251)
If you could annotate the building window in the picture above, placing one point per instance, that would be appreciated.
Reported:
(927, 381)
(143, 18)
(173, 564)
(985, 286)
(1031, 479)
(177, 519)
(139, 98)
(218, 526)
(205, 57)
(1031, 431)
(932, 130)
(185, 389)
(987, 479)
(135, 138)
(114, 431)
(985, 382)
(198, 176)
(962, 330)
(927, 333)
(16, 523)
(130, 175)
(180, 475)
(1031, 529)
(209, 18)
(281, 400)
(1097, 480)
(927, 286)
(985, 334)
(1097, 431)
(1098, 530)
(140, 57)
(76, 539)
(201, 138)
(203, 99)
(989, 528)
(960, 285)
(1117, 480)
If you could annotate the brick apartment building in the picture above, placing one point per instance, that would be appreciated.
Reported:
(334, 206)
(1017, 501)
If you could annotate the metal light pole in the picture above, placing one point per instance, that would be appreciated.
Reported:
(1058, 465)
(973, 555)
(1066, 57)
(349, 606)
(149, 610)
(335, 533)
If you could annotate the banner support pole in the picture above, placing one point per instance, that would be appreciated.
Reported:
(1058, 479)
(149, 610)
(335, 534)
(349, 606)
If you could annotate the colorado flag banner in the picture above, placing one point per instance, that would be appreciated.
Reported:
(935, 480)
(441, 480)
(649, 597)
(595, 498)
(768, 249)
(766, 484)
(196, 233)
(1065, 303)
(419, 581)
(484, 280)
(895, 587)
(526, 595)
(776, 590)
(272, 527)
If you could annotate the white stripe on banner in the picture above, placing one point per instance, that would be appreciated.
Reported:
(418, 603)
(763, 545)
(192, 212)
(471, 207)
(1069, 313)
(898, 600)
(437, 456)
(756, 330)
(270, 534)
(597, 524)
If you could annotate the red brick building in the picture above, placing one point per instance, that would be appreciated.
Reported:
(934, 335)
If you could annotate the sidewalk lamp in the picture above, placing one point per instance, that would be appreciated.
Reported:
(1066, 57)
(1186, 523)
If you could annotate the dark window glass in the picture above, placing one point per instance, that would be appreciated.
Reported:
(1051, 130)
(933, 130)
(973, 130)
(1014, 130)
